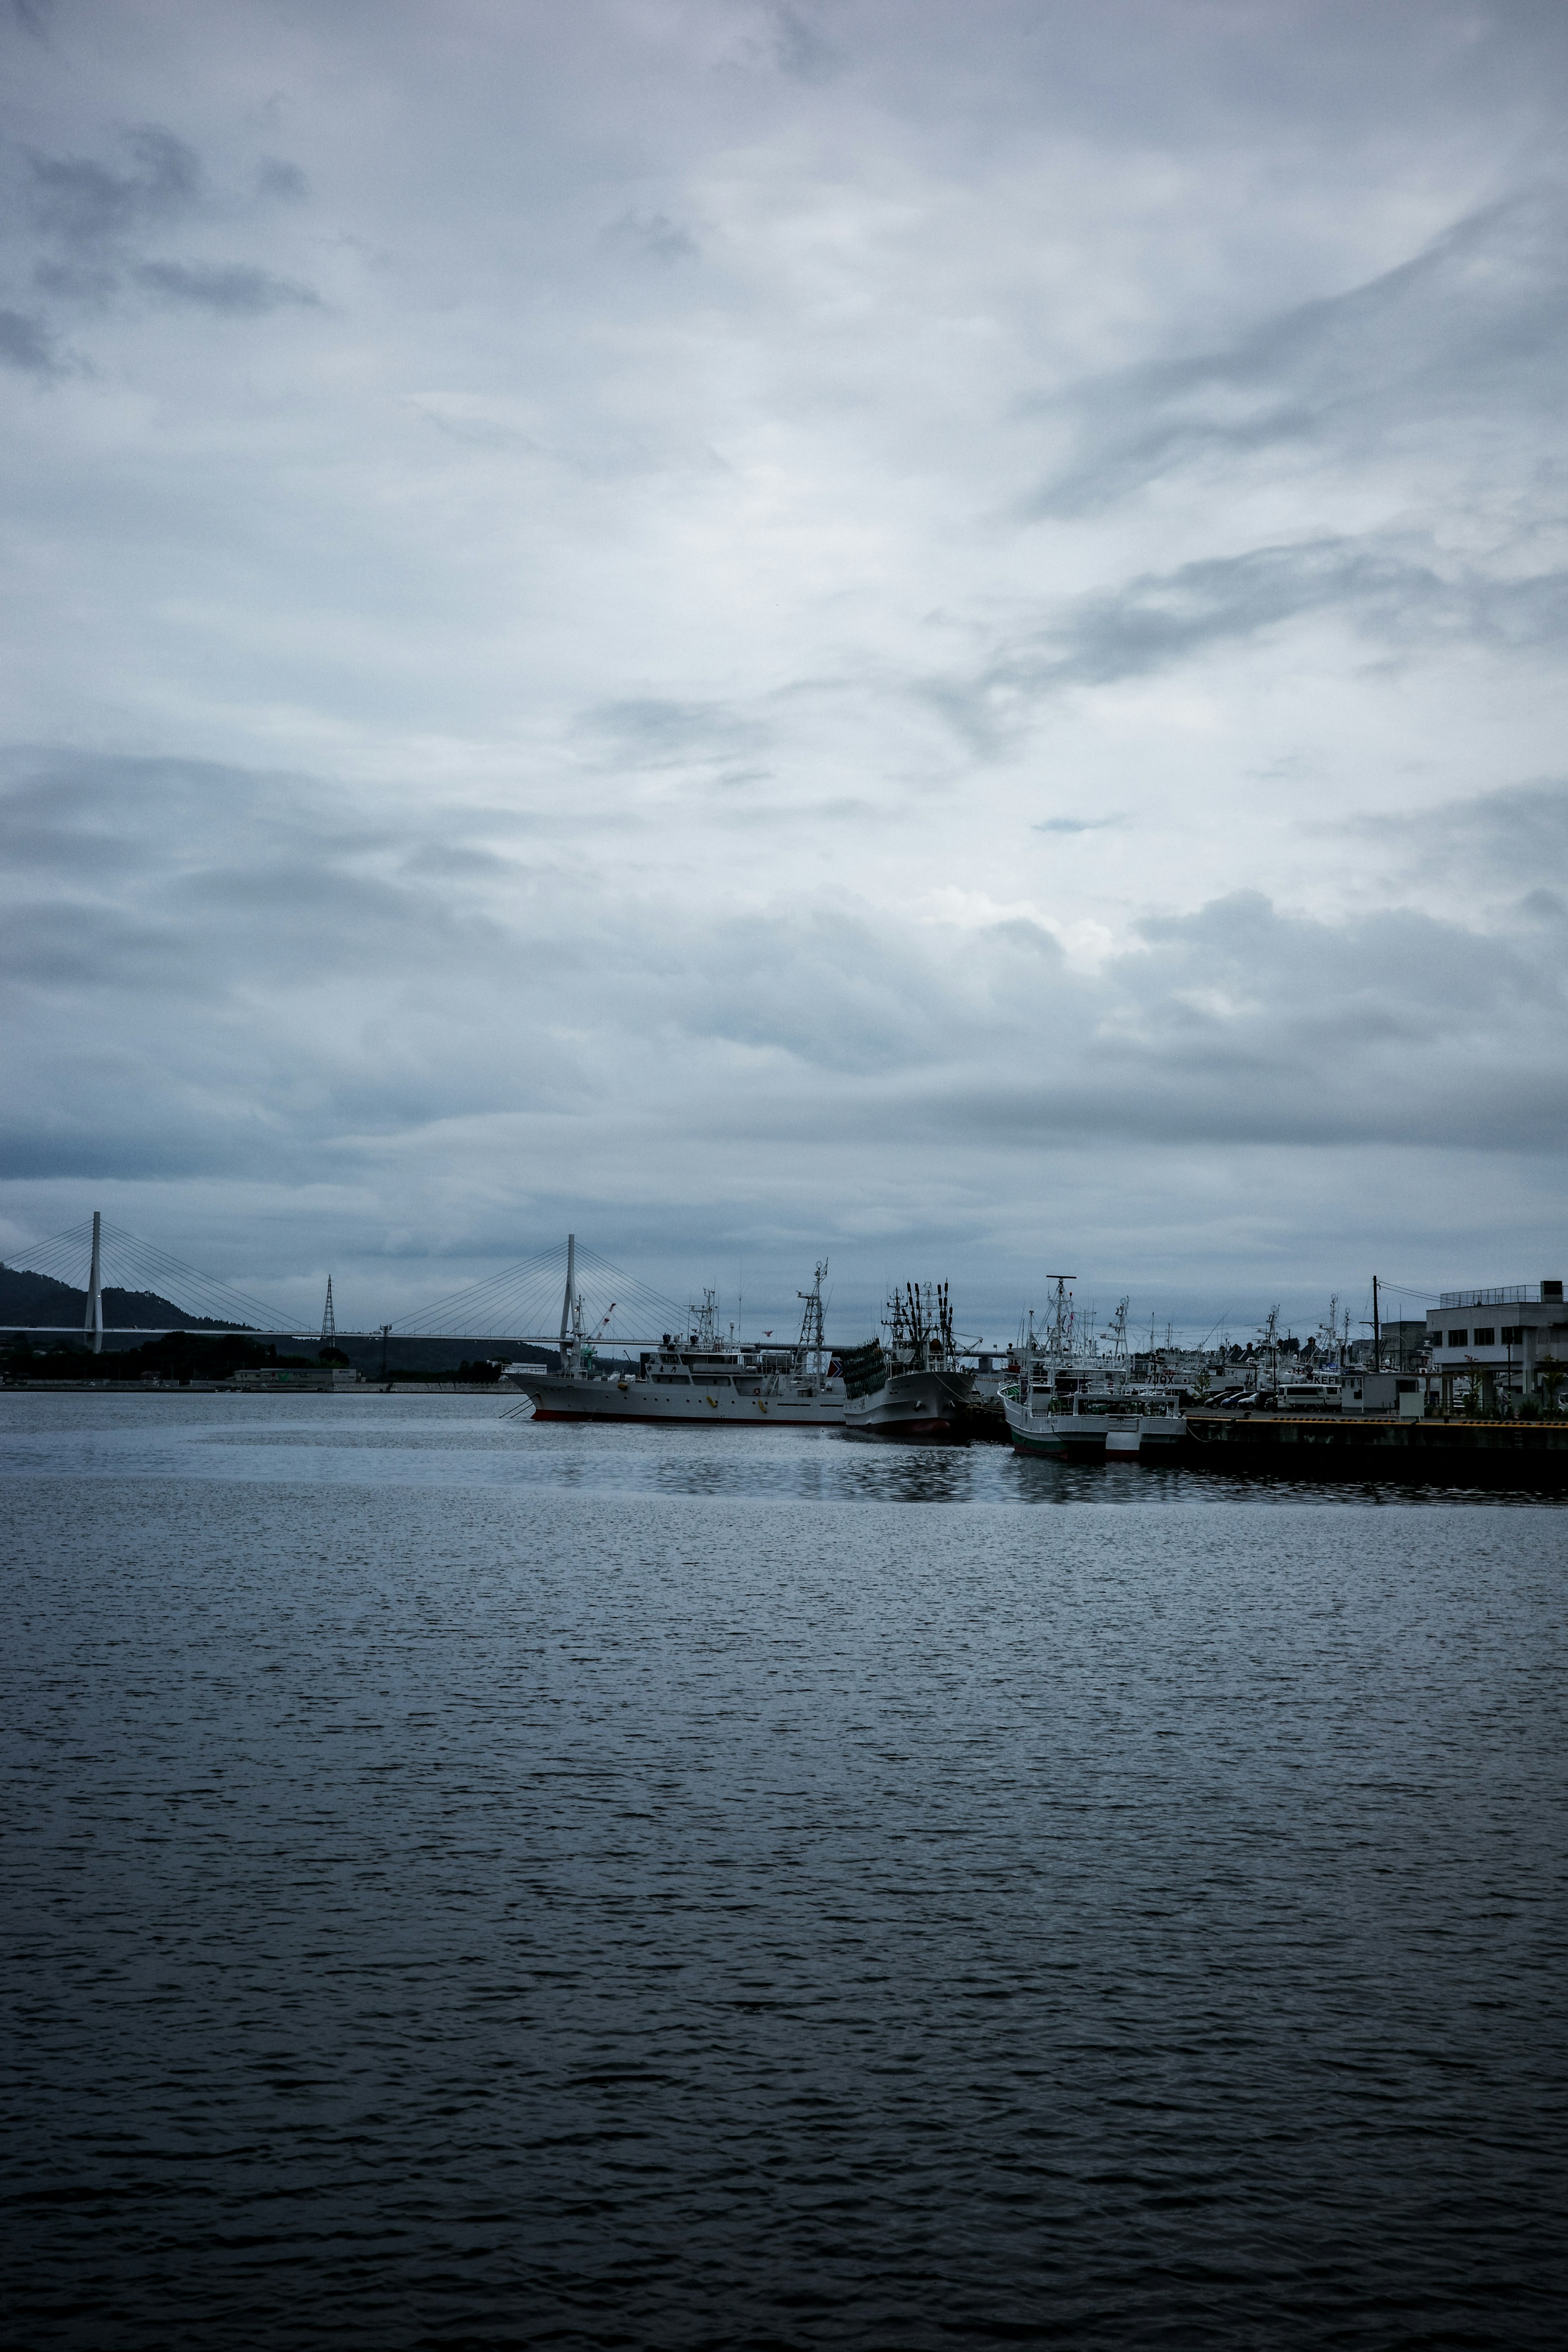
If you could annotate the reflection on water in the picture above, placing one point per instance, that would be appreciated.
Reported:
(466, 1441)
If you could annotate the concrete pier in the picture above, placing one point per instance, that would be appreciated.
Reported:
(1444, 1451)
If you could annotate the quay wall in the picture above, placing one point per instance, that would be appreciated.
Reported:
(1463, 1452)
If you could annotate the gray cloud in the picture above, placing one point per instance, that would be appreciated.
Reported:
(1236, 1026)
(653, 234)
(647, 731)
(649, 796)
(28, 345)
(1510, 837)
(94, 217)
(281, 181)
(1157, 621)
(77, 281)
(1479, 318)
(801, 47)
(86, 203)
(158, 894)
(232, 287)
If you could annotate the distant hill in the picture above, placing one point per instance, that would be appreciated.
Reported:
(29, 1301)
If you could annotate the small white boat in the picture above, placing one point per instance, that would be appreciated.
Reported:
(1070, 1402)
(1091, 1427)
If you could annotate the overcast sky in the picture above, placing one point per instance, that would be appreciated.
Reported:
(932, 633)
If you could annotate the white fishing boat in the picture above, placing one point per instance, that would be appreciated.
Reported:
(1076, 1401)
(695, 1377)
(1040, 1423)
(1090, 1427)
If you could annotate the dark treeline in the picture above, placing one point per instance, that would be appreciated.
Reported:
(177, 1356)
(38, 1298)
(193, 1356)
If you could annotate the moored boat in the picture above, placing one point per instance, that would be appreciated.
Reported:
(695, 1377)
(914, 1391)
(1075, 1403)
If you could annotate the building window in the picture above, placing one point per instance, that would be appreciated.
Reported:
(1485, 1336)
(1459, 1338)
(1513, 1335)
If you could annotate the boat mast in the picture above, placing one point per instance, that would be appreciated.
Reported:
(1059, 1318)
(811, 1321)
(1118, 1336)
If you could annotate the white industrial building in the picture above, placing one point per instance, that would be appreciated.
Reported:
(1487, 1346)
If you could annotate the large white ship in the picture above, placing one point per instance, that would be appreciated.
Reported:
(694, 1377)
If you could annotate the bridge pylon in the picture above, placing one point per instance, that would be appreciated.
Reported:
(93, 1322)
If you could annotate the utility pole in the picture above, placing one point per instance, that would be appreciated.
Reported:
(1376, 1332)
(92, 1325)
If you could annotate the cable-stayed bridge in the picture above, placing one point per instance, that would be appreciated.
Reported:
(133, 1289)
(526, 1301)
(138, 1282)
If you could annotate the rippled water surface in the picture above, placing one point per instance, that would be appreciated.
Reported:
(471, 1884)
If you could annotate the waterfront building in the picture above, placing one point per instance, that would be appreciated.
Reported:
(1493, 1346)
(1383, 1392)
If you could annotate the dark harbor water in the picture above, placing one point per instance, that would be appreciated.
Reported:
(475, 1885)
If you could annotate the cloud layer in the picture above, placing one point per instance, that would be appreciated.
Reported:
(765, 628)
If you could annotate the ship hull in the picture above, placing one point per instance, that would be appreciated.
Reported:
(1077, 1436)
(1164, 1438)
(1041, 1440)
(929, 1408)
(695, 1405)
